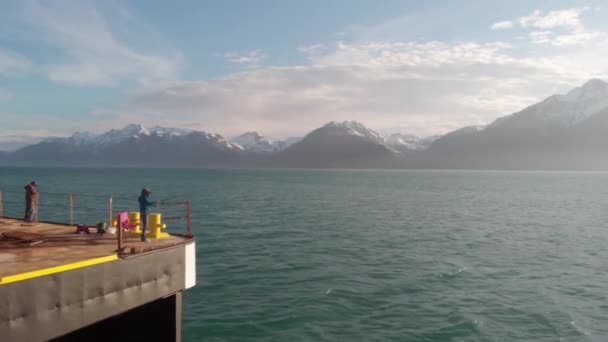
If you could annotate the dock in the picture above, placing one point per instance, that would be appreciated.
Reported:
(61, 286)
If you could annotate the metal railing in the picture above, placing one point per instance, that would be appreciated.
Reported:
(83, 206)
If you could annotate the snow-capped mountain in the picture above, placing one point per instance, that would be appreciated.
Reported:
(258, 143)
(347, 144)
(136, 131)
(561, 132)
(352, 128)
(397, 142)
(81, 137)
(566, 131)
(135, 144)
(562, 110)
(408, 142)
(114, 136)
(215, 139)
(255, 142)
(580, 103)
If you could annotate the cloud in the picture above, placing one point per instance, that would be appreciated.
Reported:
(13, 64)
(541, 37)
(11, 140)
(568, 18)
(422, 87)
(96, 54)
(15, 134)
(502, 25)
(251, 58)
(311, 49)
(559, 28)
(576, 38)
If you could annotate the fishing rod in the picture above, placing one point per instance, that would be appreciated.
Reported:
(167, 200)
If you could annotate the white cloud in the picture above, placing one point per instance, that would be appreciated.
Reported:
(569, 18)
(413, 54)
(96, 54)
(559, 28)
(422, 87)
(541, 37)
(12, 63)
(576, 38)
(251, 58)
(502, 25)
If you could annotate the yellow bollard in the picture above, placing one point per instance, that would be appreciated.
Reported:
(155, 225)
(135, 220)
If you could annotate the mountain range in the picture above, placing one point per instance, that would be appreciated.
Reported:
(256, 142)
(562, 132)
(566, 131)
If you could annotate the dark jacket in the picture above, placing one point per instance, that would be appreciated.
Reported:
(30, 192)
(144, 204)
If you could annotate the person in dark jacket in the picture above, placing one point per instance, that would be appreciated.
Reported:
(144, 210)
(31, 201)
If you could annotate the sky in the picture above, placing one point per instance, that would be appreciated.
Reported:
(283, 68)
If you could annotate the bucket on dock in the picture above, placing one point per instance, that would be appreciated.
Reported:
(135, 221)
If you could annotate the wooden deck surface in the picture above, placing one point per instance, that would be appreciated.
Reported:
(26, 247)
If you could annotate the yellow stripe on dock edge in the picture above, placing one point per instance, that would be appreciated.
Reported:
(56, 269)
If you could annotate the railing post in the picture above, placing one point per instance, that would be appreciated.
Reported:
(119, 236)
(189, 217)
(110, 210)
(71, 209)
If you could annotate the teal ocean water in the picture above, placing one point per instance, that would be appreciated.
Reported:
(371, 255)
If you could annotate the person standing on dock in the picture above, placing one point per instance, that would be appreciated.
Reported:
(31, 202)
(144, 209)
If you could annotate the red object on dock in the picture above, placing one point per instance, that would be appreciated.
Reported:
(82, 228)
